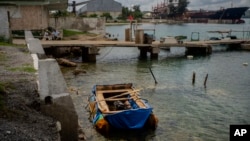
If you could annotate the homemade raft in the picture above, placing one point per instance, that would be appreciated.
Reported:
(120, 106)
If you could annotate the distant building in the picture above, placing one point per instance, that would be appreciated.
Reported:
(101, 6)
(26, 14)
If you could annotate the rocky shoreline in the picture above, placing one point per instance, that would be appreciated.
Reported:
(20, 115)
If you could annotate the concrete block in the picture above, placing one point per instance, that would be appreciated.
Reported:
(93, 50)
(51, 80)
(28, 35)
(35, 60)
(155, 50)
(34, 46)
(63, 110)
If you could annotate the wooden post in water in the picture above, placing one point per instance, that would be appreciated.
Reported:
(193, 80)
(205, 82)
(153, 75)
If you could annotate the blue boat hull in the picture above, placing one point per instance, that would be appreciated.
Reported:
(129, 119)
(133, 118)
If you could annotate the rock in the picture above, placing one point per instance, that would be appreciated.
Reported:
(66, 63)
(78, 71)
(58, 126)
(81, 137)
(245, 64)
(8, 132)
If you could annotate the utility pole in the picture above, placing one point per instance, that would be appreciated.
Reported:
(74, 7)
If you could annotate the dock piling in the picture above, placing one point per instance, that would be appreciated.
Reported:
(193, 80)
(205, 82)
(152, 75)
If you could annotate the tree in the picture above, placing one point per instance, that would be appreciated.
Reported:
(172, 10)
(107, 16)
(59, 13)
(125, 13)
(175, 11)
(182, 7)
(93, 15)
(137, 12)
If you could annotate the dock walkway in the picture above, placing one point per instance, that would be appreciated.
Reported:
(70, 43)
(187, 44)
(89, 48)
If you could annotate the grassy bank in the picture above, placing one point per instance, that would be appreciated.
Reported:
(69, 33)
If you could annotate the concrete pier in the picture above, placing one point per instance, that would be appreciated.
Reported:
(89, 53)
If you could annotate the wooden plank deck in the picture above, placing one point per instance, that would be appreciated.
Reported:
(187, 44)
(78, 43)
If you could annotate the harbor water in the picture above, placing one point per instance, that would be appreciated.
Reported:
(186, 111)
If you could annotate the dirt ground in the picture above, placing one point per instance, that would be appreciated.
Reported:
(20, 116)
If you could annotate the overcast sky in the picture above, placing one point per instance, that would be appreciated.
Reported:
(146, 5)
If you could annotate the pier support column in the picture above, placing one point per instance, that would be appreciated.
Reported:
(209, 50)
(143, 52)
(89, 54)
(234, 46)
(199, 50)
(154, 52)
(245, 46)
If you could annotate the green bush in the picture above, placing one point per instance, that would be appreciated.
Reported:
(93, 15)
(4, 40)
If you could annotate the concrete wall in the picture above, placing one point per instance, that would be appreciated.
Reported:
(4, 24)
(28, 17)
(56, 101)
(22, 18)
(95, 25)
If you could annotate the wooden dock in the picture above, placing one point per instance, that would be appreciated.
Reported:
(78, 43)
(90, 48)
(70, 43)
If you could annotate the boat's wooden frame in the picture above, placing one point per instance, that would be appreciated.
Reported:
(120, 106)
(102, 101)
